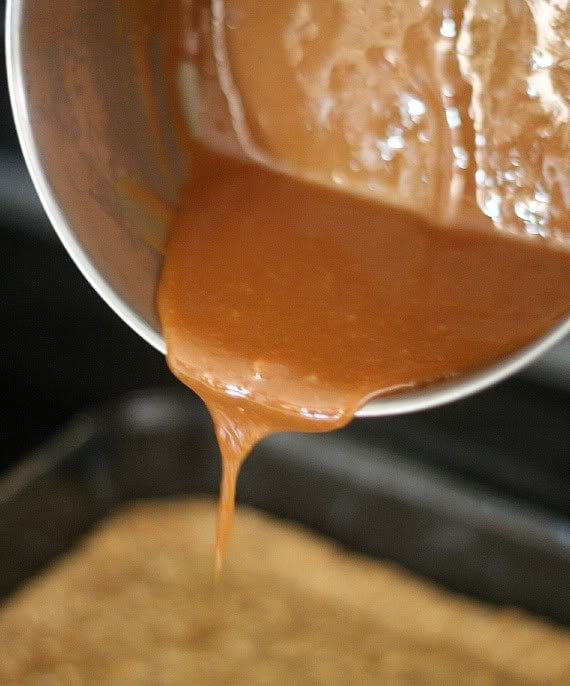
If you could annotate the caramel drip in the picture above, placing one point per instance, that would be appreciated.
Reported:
(348, 164)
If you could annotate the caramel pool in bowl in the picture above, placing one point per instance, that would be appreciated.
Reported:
(320, 254)
(351, 227)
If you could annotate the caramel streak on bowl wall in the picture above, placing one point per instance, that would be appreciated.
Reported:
(141, 23)
(148, 211)
(287, 302)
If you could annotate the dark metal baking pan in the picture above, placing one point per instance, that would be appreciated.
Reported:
(362, 488)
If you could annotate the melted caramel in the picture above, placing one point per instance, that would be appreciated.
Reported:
(336, 239)
(286, 305)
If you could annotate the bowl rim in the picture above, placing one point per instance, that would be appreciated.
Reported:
(424, 398)
(18, 100)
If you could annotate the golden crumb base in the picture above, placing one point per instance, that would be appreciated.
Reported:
(136, 604)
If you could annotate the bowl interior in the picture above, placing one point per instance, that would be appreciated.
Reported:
(90, 141)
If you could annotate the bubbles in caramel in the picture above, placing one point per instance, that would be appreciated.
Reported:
(459, 110)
